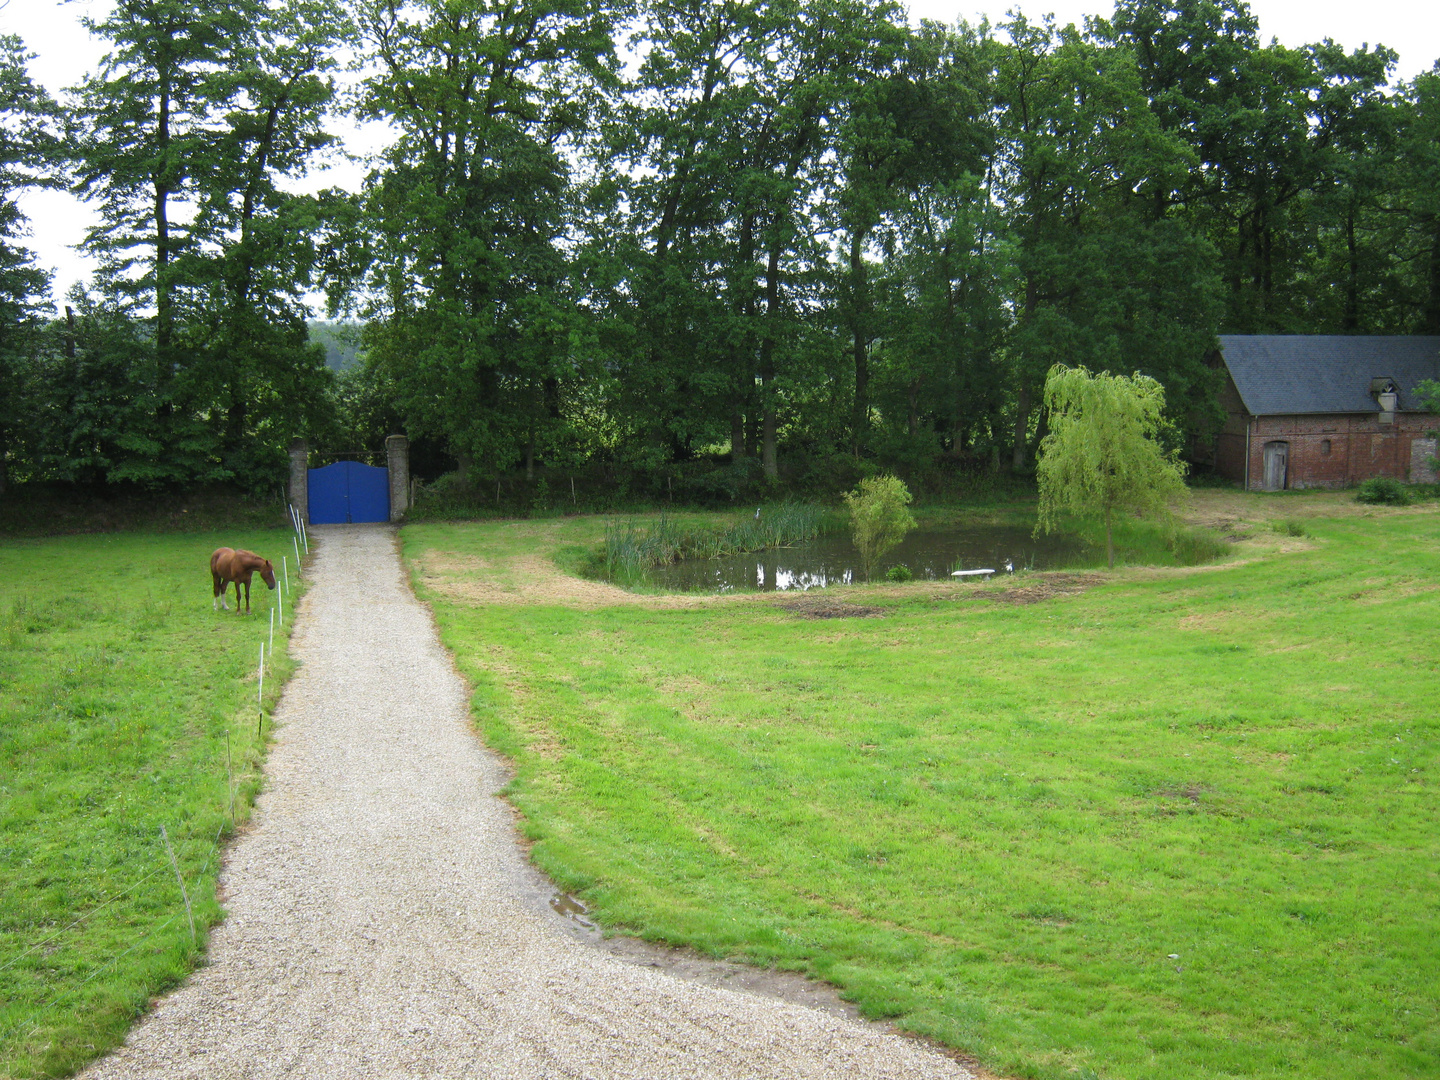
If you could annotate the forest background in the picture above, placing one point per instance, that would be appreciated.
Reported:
(697, 248)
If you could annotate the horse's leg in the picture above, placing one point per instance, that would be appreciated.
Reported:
(221, 585)
(247, 598)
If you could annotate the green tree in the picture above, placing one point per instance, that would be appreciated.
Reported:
(467, 217)
(879, 517)
(1102, 454)
(911, 119)
(31, 150)
(190, 129)
(1412, 205)
(944, 312)
(731, 129)
(1287, 139)
(151, 119)
(257, 254)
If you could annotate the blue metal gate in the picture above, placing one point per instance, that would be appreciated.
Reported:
(349, 493)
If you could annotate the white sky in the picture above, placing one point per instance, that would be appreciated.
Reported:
(65, 53)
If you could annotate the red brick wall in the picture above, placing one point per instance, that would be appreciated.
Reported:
(1360, 447)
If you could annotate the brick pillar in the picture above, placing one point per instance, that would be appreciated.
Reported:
(300, 477)
(397, 457)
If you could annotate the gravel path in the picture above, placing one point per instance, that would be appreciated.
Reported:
(382, 920)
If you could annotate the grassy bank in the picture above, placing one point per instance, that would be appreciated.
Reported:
(1154, 824)
(118, 689)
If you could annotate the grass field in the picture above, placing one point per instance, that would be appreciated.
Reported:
(118, 687)
(1166, 824)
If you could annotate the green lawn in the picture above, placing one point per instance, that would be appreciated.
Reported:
(118, 686)
(1181, 824)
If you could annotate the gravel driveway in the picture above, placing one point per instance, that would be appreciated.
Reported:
(382, 920)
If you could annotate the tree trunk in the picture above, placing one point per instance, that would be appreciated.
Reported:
(164, 307)
(860, 419)
(465, 465)
(744, 356)
(1109, 541)
(768, 458)
(1351, 319)
(1022, 428)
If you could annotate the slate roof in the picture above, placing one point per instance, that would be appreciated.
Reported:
(1289, 374)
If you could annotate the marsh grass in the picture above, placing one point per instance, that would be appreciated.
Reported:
(118, 687)
(1180, 826)
(631, 549)
(1146, 543)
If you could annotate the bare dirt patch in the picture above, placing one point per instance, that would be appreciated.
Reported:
(1209, 620)
(818, 608)
(1037, 588)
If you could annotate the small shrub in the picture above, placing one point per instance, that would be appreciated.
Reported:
(1383, 490)
(879, 517)
(900, 572)
(1290, 527)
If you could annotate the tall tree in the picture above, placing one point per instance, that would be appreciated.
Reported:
(258, 254)
(153, 114)
(31, 151)
(1412, 205)
(195, 118)
(1274, 129)
(470, 208)
(1102, 279)
(917, 119)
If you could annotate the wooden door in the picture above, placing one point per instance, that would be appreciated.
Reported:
(1277, 458)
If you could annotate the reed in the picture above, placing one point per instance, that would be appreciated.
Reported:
(632, 550)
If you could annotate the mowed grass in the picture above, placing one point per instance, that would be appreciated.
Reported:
(1182, 824)
(118, 686)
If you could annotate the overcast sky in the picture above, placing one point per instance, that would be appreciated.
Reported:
(65, 52)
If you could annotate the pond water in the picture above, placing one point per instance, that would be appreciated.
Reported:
(833, 560)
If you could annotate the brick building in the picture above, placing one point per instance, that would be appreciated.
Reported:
(1308, 411)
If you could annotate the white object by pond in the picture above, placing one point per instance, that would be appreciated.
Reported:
(970, 573)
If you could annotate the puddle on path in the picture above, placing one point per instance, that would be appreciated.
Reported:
(573, 909)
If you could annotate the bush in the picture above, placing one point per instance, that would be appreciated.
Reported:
(1383, 490)
(879, 517)
(899, 572)
(1290, 527)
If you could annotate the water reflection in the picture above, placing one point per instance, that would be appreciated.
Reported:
(833, 560)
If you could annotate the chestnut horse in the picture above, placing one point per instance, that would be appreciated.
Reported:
(228, 565)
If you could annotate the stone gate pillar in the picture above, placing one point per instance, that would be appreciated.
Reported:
(397, 457)
(300, 477)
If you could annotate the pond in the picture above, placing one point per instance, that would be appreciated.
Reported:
(833, 560)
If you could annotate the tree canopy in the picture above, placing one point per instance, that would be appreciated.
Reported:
(719, 244)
